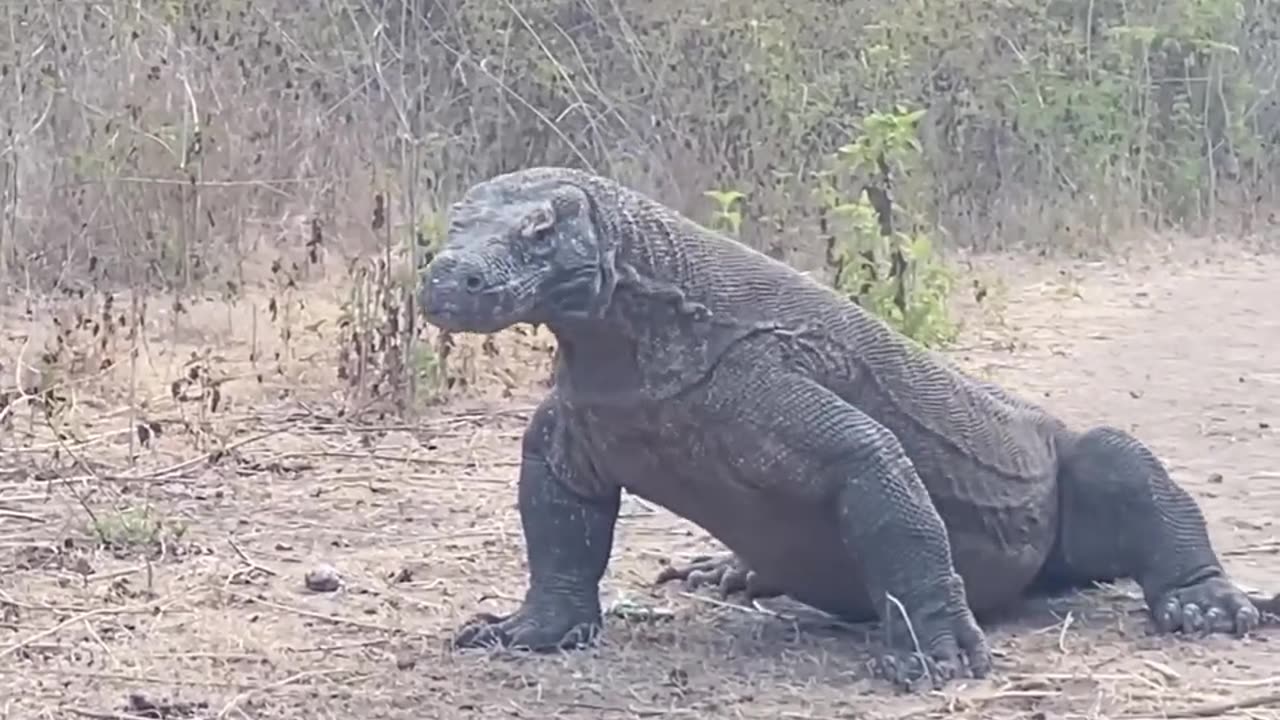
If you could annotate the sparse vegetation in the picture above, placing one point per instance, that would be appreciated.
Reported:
(213, 373)
(892, 272)
(136, 528)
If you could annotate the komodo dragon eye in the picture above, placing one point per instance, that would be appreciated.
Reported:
(541, 241)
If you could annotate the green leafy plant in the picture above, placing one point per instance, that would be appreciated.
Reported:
(135, 527)
(894, 273)
(727, 217)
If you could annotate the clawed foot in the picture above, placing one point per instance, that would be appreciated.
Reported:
(952, 648)
(728, 573)
(537, 627)
(1214, 605)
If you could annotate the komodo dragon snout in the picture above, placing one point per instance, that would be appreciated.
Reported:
(517, 250)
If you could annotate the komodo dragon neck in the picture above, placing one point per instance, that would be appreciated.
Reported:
(659, 326)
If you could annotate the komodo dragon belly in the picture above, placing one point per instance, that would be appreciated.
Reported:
(776, 512)
(758, 509)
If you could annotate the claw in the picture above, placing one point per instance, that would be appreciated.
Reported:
(1218, 621)
(1213, 605)
(908, 672)
(1165, 615)
(539, 628)
(687, 571)
(954, 647)
(481, 630)
(701, 570)
(1247, 620)
(726, 572)
(1192, 618)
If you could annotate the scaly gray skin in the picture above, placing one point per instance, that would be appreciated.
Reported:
(841, 464)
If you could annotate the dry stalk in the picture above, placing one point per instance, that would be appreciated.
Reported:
(78, 618)
(1224, 707)
(233, 702)
(915, 640)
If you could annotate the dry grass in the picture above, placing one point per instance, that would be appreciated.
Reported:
(231, 390)
(163, 144)
(155, 547)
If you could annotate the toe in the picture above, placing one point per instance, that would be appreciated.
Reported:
(1169, 615)
(733, 580)
(480, 631)
(885, 667)
(944, 661)
(699, 577)
(946, 670)
(701, 570)
(1247, 619)
(1212, 606)
(667, 574)
(977, 653)
(953, 657)
(954, 647)
(906, 672)
(681, 571)
(1192, 618)
(581, 635)
(533, 628)
(1218, 620)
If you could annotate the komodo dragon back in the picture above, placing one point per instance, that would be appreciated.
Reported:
(744, 290)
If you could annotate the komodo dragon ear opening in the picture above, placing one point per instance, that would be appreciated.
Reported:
(538, 221)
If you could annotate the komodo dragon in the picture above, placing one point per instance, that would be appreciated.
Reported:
(840, 463)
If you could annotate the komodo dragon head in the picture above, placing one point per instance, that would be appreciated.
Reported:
(524, 247)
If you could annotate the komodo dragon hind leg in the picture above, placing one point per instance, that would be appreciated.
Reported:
(1124, 517)
(568, 538)
(726, 571)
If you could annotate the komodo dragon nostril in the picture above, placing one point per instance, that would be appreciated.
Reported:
(474, 283)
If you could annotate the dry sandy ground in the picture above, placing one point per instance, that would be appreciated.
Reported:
(202, 610)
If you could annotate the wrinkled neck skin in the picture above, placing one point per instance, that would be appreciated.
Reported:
(595, 363)
(643, 336)
(638, 351)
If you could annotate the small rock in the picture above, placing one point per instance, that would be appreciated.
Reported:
(324, 578)
(406, 660)
(1215, 479)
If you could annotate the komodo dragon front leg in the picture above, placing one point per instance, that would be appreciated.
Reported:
(817, 451)
(568, 538)
(1124, 517)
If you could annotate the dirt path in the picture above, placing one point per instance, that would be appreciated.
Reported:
(1189, 360)
(422, 526)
